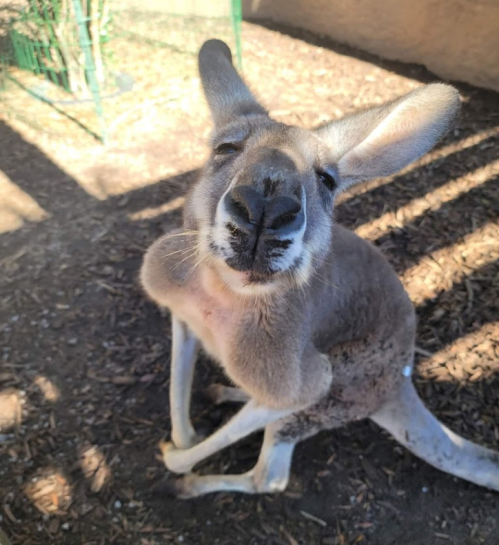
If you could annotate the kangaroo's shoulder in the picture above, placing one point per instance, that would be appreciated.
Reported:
(365, 293)
(357, 261)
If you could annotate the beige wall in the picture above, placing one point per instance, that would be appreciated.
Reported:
(204, 8)
(456, 39)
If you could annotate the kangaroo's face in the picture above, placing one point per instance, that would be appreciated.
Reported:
(264, 203)
(263, 206)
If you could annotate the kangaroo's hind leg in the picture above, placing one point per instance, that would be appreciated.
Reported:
(252, 417)
(270, 474)
(412, 425)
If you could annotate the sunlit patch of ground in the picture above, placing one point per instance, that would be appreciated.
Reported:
(79, 337)
(17, 206)
(11, 409)
(49, 491)
(94, 467)
(49, 390)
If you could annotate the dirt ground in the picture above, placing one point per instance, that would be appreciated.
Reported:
(85, 357)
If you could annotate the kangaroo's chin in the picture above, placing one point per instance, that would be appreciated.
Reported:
(248, 282)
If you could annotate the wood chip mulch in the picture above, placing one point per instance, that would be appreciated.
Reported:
(84, 368)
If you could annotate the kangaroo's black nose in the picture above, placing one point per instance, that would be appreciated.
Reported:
(249, 210)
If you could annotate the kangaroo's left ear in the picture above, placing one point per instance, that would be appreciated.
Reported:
(385, 139)
(227, 95)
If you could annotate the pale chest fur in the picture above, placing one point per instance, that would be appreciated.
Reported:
(209, 314)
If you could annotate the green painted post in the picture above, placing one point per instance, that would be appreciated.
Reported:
(90, 66)
(236, 16)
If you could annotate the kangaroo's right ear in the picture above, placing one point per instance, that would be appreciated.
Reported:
(383, 140)
(227, 95)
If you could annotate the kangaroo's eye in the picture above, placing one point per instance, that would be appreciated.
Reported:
(226, 149)
(327, 179)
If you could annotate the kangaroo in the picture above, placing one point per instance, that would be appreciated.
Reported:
(310, 322)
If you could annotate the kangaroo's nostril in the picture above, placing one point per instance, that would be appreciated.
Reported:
(239, 209)
(245, 205)
(282, 221)
(281, 212)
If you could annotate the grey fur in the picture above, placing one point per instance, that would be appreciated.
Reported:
(227, 95)
(326, 341)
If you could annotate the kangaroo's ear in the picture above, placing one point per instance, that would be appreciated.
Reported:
(227, 95)
(383, 140)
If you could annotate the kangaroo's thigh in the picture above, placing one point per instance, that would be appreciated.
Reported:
(366, 374)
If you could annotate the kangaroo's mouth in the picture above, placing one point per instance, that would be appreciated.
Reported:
(253, 277)
(246, 281)
(250, 275)
(259, 278)
(257, 266)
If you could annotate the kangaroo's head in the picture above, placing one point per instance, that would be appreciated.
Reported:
(263, 206)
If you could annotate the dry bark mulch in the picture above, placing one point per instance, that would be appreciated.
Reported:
(84, 369)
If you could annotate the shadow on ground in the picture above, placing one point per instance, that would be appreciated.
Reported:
(86, 356)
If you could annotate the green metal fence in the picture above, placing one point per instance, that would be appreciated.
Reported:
(50, 36)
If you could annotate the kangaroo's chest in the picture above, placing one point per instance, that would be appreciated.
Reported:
(210, 318)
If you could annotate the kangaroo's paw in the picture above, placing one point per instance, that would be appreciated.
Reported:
(218, 394)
